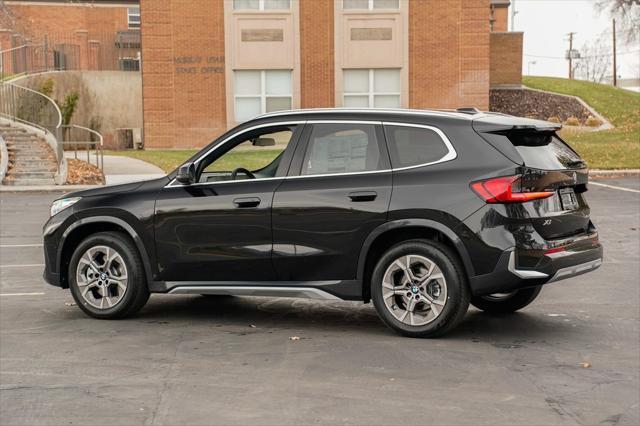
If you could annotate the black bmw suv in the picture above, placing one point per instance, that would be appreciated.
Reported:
(422, 212)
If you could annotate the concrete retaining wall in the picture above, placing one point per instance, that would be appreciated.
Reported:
(108, 100)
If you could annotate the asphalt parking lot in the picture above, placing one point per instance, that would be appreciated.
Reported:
(573, 357)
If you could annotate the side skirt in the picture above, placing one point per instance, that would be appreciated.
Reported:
(319, 290)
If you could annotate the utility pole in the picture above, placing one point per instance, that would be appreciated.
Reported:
(513, 15)
(570, 55)
(615, 68)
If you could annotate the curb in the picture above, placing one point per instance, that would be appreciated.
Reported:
(614, 173)
(47, 188)
(4, 161)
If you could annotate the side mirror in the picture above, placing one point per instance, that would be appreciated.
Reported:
(264, 142)
(186, 174)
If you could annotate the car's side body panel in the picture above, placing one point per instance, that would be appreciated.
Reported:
(318, 230)
(202, 234)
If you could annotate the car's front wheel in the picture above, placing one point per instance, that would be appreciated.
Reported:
(419, 289)
(504, 303)
(106, 276)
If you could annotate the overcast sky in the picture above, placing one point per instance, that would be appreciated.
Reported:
(546, 23)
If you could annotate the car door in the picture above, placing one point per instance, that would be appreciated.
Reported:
(219, 229)
(337, 191)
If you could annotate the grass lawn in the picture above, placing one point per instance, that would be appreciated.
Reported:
(617, 148)
(168, 160)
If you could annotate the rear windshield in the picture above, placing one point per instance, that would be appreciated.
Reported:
(545, 150)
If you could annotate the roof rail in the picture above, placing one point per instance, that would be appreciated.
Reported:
(425, 112)
(469, 110)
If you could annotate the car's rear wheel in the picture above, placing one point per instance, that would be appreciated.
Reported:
(106, 276)
(419, 289)
(503, 303)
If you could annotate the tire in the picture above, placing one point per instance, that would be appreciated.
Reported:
(446, 285)
(122, 278)
(506, 303)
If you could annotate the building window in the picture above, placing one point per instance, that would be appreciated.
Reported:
(371, 88)
(261, 4)
(133, 17)
(370, 4)
(259, 92)
(129, 63)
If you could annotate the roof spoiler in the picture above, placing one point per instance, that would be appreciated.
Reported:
(495, 123)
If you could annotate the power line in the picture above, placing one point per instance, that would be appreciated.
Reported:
(581, 57)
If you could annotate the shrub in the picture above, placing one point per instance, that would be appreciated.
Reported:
(572, 121)
(554, 119)
(47, 87)
(592, 121)
(68, 107)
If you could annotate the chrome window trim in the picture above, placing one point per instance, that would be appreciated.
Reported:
(227, 139)
(451, 151)
(451, 154)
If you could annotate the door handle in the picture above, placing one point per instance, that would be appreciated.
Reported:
(363, 196)
(246, 202)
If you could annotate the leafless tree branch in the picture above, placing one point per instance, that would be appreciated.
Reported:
(595, 62)
(627, 15)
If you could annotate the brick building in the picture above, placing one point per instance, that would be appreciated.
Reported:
(70, 35)
(209, 65)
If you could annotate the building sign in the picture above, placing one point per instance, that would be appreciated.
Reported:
(199, 64)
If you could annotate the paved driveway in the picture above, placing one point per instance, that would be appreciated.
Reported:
(194, 360)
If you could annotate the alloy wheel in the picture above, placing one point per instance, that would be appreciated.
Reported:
(101, 276)
(414, 290)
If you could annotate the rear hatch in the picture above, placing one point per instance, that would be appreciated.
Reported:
(548, 164)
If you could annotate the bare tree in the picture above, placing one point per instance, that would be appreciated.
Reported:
(627, 14)
(595, 61)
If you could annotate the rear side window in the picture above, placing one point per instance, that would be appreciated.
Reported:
(412, 146)
(341, 148)
(545, 150)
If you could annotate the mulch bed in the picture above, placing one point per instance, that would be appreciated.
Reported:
(533, 104)
(82, 173)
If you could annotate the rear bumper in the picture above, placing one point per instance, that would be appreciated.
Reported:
(582, 256)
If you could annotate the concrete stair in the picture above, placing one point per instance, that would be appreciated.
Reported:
(31, 159)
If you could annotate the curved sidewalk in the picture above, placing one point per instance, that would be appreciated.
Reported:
(119, 169)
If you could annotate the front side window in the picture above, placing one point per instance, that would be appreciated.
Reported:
(261, 4)
(412, 146)
(371, 88)
(370, 4)
(259, 92)
(252, 156)
(341, 148)
(133, 17)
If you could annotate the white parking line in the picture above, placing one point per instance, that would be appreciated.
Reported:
(32, 265)
(620, 188)
(19, 245)
(21, 294)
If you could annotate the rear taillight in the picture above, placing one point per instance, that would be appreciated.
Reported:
(505, 190)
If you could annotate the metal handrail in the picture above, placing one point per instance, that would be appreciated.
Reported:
(88, 145)
(51, 101)
(14, 107)
(12, 49)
